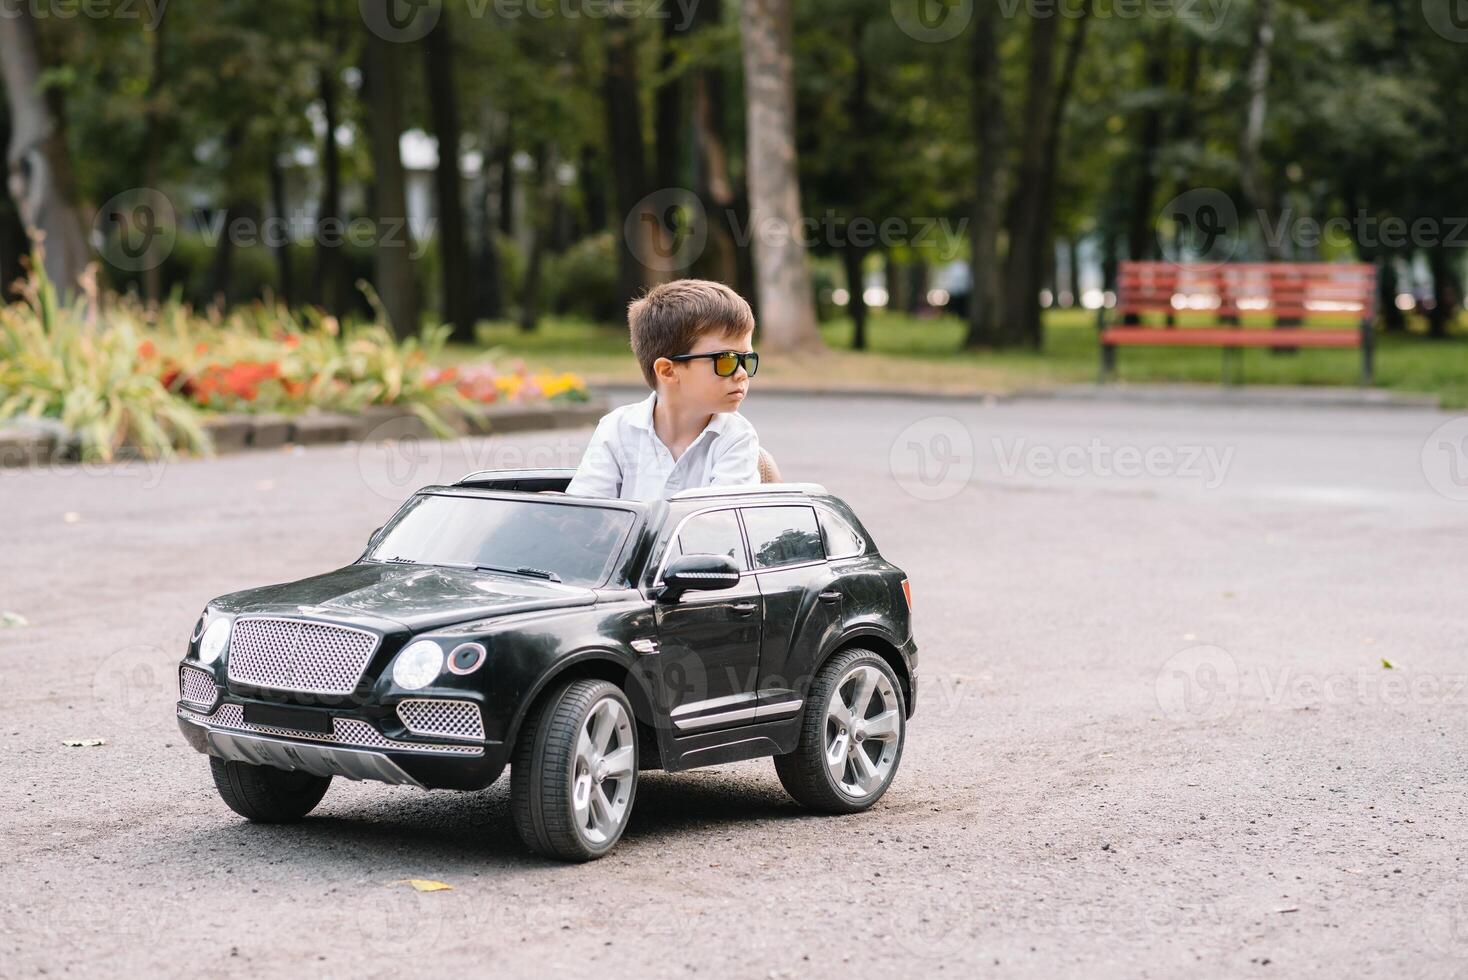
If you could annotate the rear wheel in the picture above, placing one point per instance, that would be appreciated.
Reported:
(574, 774)
(851, 735)
(267, 795)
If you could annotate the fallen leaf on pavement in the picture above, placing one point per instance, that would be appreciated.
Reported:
(426, 885)
(1387, 664)
(14, 619)
(1288, 908)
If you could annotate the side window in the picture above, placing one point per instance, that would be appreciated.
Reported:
(715, 533)
(783, 535)
(841, 538)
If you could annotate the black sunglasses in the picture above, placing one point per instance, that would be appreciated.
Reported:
(726, 362)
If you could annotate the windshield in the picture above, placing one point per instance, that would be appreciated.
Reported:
(573, 544)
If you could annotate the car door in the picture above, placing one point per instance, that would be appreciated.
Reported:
(801, 607)
(709, 642)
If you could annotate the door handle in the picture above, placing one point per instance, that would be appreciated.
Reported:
(744, 608)
(831, 596)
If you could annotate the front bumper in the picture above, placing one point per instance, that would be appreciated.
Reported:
(355, 748)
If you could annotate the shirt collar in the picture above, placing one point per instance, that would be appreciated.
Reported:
(642, 417)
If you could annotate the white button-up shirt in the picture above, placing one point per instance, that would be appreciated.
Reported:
(627, 460)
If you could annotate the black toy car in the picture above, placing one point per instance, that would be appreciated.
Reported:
(578, 640)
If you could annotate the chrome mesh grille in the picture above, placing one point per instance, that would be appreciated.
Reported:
(296, 655)
(345, 731)
(447, 719)
(196, 687)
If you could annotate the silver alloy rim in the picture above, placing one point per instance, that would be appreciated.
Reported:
(601, 783)
(863, 731)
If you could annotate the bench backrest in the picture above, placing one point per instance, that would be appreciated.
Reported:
(1295, 290)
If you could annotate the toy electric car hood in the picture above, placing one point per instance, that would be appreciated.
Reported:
(419, 597)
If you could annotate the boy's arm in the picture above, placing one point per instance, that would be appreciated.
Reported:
(599, 474)
(737, 463)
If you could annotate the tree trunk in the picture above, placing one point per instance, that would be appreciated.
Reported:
(591, 174)
(489, 287)
(729, 258)
(1446, 293)
(1032, 210)
(394, 247)
(453, 252)
(1022, 272)
(505, 158)
(281, 245)
(621, 100)
(917, 287)
(153, 141)
(1141, 227)
(331, 272)
(669, 112)
(856, 304)
(13, 242)
(40, 175)
(1073, 270)
(540, 219)
(986, 113)
(1251, 168)
(787, 306)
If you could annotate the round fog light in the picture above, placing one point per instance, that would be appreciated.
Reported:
(467, 658)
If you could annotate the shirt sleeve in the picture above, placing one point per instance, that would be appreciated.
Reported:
(737, 461)
(599, 474)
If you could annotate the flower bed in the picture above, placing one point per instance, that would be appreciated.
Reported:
(115, 375)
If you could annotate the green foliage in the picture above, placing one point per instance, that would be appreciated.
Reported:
(582, 281)
(78, 365)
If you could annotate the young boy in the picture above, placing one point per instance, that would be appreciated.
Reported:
(693, 341)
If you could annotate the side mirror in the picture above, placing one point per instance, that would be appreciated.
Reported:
(698, 573)
(372, 538)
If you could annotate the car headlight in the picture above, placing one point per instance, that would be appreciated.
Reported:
(216, 638)
(418, 666)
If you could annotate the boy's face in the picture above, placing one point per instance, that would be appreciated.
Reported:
(694, 383)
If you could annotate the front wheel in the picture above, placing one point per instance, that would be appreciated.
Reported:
(574, 773)
(851, 735)
(266, 795)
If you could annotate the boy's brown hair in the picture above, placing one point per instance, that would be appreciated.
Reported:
(671, 316)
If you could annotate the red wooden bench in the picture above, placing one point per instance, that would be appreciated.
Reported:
(1240, 305)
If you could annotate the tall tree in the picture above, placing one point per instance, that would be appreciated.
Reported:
(40, 177)
(622, 100)
(394, 246)
(1257, 192)
(787, 305)
(331, 270)
(453, 250)
(1031, 210)
(985, 322)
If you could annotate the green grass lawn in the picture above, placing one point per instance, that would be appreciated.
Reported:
(909, 351)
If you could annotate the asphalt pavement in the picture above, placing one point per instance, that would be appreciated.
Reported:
(1192, 703)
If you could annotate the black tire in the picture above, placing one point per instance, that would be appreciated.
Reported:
(543, 772)
(804, 772)
(267, 795)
